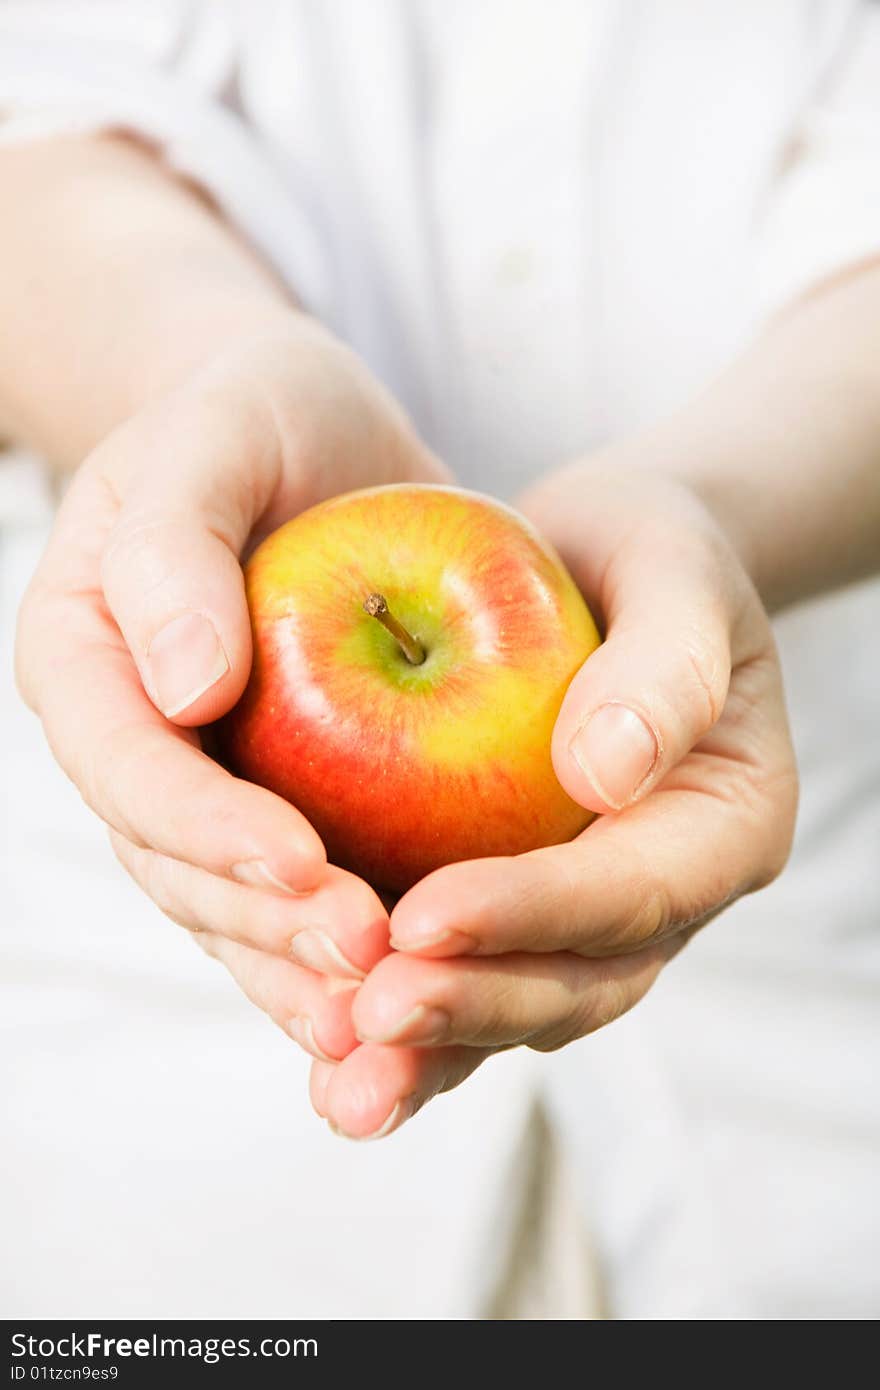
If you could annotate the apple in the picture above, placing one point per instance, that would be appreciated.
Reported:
(412, 645)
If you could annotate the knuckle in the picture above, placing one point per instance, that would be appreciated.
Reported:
(34, 619)
(609, 1001)
(247, 916)
(574, 1016)
(250, 974)
(778, 826)
(708, 674)
(649, 918)
(589, 1012)
(501, 1015)
(109, 766)
(603, 1000)
(642, 909)
(264, 918)
(156, 876)
(138, 554)
(125, 852)
(553, 1039)
(157, 880)
(207, 942)
(605, 994)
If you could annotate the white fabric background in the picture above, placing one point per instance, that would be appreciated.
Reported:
(542, 224)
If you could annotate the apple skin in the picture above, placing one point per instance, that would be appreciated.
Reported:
(403, 768)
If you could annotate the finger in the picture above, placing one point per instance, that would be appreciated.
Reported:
(196, 479)
(720, 826)
(205, 472)
(339, 929)
(624, 883)
(124, 757)
(656, 685)
(377, 1089)
(319, 1079)
(543, 1001)
(674, 603)
(314, 1011)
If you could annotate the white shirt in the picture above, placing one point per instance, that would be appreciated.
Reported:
(544, 224)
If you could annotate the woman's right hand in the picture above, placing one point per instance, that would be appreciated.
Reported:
(135, 631)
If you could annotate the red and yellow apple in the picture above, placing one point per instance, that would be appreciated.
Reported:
(412, 646)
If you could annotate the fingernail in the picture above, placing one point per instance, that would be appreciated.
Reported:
(421, 1025)
(403, 1110)
(617, 751)
(317, 951)
(184, 659)
(302, 1032)
(454, 943)
(256, 874)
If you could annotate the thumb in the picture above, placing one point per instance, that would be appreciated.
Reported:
(170, 571)
(652, 690)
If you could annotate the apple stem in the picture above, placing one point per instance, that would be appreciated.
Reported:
(377, 607)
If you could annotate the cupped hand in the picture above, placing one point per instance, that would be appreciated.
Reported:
(135, 631)
(675, 732)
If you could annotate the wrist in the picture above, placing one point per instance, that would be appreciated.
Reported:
(705, 457)
(727, 498)
(121, 280)
(204, 330)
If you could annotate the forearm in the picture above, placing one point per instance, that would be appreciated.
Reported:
(785, 446)
(116, 281)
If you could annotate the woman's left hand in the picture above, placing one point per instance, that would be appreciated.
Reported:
(675, 732)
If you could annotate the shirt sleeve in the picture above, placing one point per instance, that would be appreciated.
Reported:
(822, 213)
(166, 70)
